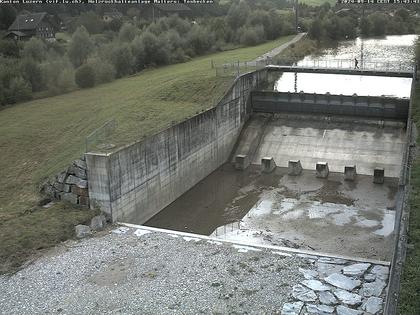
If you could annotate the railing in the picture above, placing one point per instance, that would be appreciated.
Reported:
(236, 68)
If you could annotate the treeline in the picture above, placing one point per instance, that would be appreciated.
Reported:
(87, 60)
(329, 25)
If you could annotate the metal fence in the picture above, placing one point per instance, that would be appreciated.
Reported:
(236, 68)
(100, 139)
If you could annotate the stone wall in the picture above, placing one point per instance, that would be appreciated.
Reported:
(70, 185)
(136, 182)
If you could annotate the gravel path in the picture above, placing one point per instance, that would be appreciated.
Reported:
(136, 271)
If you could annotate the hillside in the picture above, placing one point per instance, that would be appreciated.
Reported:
(39, 138)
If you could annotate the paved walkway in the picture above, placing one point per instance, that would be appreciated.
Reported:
(279, 49)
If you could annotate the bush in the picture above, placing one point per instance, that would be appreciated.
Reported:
(32, 72)
(80, 47)
(85, 76)
(122, 59)
(19, 91)
(9, 48)
(65, 80)
(35, 49)
(252, 35)
(104, 71)
(200, 39)
(127, 32)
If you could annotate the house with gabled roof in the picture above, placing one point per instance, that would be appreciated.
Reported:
(29, 25)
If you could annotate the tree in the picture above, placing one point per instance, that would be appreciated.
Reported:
(252, 35)
(19, 90)
(9, 48)
(7, 16)
(80, 46)
(35, 49)
(85, 76)
(379, 22)
(65, 80)
(104, 71)
(91, 21)
(32, 72)
(122, 59)
(238, 14)
(365, 26)
(127, 32)
(315, 30)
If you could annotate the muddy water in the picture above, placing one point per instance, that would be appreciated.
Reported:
(276, 209)
(387, 53)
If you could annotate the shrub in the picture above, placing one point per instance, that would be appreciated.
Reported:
(85, 76)
(32, 72)
(122, 59)
(9, 48)
(252, 35)
(80, 46)
(65, 80)
(35, 49)
(19, 90)
(127, 32)
(200, 39)
(104, 71)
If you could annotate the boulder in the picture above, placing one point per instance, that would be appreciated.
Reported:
(82, 231)
(69, 197)
(80, 164)
(72, 180)
(98, 223)
(342, 282)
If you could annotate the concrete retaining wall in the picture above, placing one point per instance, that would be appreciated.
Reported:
(365, 106)
(136, 182)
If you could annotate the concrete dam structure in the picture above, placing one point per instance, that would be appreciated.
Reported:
(295, 171)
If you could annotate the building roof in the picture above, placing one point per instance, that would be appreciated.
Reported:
(27, 21)
(172, 7)
(17, 33)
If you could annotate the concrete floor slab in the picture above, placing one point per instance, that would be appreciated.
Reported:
(328, 215)
(366, 144)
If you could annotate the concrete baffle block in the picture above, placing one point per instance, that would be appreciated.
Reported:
(378, 175)
(295, 168)
(322, 170)
(241, 161)
(268, 164)
(350, 172)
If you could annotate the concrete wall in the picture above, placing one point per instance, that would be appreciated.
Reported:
(136, 182)
(365, 106)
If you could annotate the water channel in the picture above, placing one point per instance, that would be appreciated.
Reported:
(304, 212)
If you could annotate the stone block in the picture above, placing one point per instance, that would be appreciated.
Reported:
(82, 231)
(82, 184)
(268, 164)
(78, 172)
(80, 164)
(61, 178)
(322, 170)
(98, 223)
(84, 201)
(295, 168)
(350, 172)
(79, 191)
(67, 188)
(241, 162)
(72, 180)
(69, 197)
(378, 175)
(58, 186)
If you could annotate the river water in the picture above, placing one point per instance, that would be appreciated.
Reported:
(391, 53)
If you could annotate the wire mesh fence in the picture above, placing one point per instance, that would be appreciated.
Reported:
(100, 139)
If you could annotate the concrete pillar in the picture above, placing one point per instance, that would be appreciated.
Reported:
(241, 162)
(350, 172)
(295, 168)
(267, 164)
(378, 175)
(322, 170)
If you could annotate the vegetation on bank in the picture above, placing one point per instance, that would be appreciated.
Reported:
(94, 55)
(41, 137)
(409, 301)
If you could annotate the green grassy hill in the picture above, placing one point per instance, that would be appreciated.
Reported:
(41, 137)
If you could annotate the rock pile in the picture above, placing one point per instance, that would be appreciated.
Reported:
(70, 185)
(337, 286)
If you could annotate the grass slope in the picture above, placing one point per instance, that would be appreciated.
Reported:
(41, 137)
(409, 303)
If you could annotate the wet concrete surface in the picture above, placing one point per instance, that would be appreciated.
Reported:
(327, 215)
